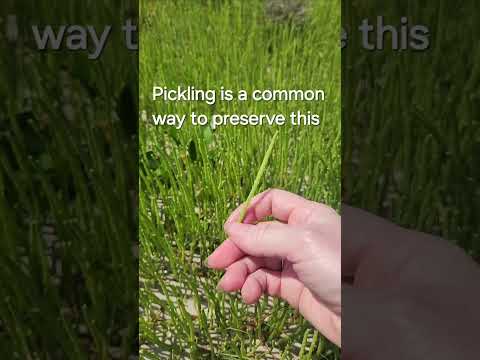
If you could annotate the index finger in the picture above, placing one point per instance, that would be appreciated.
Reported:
(283, 206)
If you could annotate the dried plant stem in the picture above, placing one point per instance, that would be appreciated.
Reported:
(258, 178)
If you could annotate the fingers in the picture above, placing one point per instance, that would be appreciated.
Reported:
(269, 239)
(262, 281)
(283, 206)
(226, 254)
(237, 273)
(265, 281)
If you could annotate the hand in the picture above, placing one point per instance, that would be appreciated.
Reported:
(296, 258)
(410, 295)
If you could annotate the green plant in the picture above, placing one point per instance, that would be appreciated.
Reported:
(68, 166)
(191, 179)
(258, 178)
(410, 138)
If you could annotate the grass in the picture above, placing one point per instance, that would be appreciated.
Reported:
(258, 178)
(68, 170)
(191, 179)
(411, 136)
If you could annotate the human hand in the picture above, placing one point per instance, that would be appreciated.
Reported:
(409, 296)
(296, 258)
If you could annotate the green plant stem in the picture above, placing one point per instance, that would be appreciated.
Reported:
(258, 178)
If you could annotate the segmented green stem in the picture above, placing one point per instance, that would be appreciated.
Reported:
(258, 178)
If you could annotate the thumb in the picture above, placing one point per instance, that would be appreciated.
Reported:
(266, 239)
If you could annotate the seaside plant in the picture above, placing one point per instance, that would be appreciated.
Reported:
(258, 178)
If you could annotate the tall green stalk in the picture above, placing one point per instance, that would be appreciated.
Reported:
(260, 173)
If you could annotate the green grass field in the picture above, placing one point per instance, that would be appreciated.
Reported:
(411, 141)
(68, 182)
(191, 179)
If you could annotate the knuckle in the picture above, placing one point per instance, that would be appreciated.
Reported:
(309, 236)
(310, 215)
(328, 211)
(310, 240)
(250, 264)
(321, 213)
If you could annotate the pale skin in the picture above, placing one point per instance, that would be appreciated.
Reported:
(405, 294)
(297, 257)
